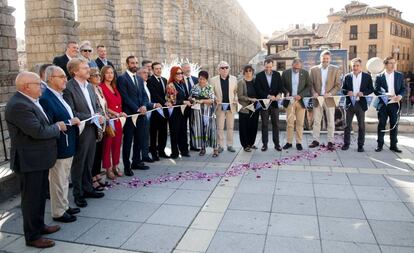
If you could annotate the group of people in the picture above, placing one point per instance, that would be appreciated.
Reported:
(71, 120)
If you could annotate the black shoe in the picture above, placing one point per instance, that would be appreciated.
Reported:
(148, 160)
(164, 155)
(186, 155)
(247, 149)
(143, 167)
(361, 149)
(73, 211)
(314, 144)
(278, 147)
(378, 149)
(174, 156)
(299, 146)
(80, 202)
(396, 149)
(331, 146)
(93, 195)
(65, 218)
(287, 146)
(128, 172)
(345, 147)
(264, 148)
(195, 149)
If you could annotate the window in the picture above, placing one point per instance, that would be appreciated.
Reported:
(372, 51)
(295, 42)
(373, 31)
(403, 54)
(408, 54)
(352, 52)
(393, 29)
(353, 33)
(306, 42)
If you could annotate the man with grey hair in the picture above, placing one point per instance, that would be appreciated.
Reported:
(190, 81)
(58, 110)
(33, 152)
(296, 83)
(72, 50)
(225, 90)
(325, 82)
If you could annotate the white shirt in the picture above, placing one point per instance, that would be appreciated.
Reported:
(186, 83)
(133, 77)
(104, 61)
(147, 90)
(36, 102)
(324, 75)
(269, 79)
(356, 83)
(390, 83)
(295, 83)
(161, 81)
(70, 58)
(85, 91)
(60, 97)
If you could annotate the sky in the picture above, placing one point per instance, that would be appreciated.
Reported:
(271, 15)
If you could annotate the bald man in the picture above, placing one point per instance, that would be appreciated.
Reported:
(33, 152)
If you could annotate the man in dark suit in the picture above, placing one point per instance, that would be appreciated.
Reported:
(390, 82)
(356, 85)
(72, 51)
(57, 109)
(80, 96)
(102, 60)
(190, 81)
(269, 85)
(158, 132)
(296, 83)
(134, 100)
(33, 152)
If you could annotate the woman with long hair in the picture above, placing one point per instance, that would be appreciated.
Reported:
(113, 138)
(176, 95)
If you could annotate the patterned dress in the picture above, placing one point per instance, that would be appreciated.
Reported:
(203, 118)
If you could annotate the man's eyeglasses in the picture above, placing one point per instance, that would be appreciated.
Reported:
(62, 76)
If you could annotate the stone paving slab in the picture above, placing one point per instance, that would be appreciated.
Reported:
(337, 202)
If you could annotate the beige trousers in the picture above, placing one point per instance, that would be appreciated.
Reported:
(59, 186)
(222, 116)
(295, 113)
(317, 118)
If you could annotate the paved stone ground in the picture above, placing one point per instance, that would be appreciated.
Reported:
(338, 202)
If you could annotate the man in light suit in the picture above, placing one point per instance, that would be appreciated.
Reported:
(225, 90)
(357, 84)
(80, 96)
(33, 152)
(296, 83)
(134, 100)
(268, 85)
(390, 82)
(72, 51)
(58, 110)
(190, 81)
(325, 81)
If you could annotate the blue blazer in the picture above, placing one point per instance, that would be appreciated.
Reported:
(56, 111)
(366, 88)
(381, 86)
(133, 97)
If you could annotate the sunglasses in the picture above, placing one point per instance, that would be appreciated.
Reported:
(224, 67)
(87, 50)
(179, 73)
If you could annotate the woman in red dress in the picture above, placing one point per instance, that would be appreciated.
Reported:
(112, 145)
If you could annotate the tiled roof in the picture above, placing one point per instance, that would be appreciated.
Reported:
(328, 33)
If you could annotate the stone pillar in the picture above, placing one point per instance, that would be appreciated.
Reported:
(50, 24)
(97, 24)
(154, 31)
(197, 38)
(187, 34)
(173, 30)
(129, 22)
